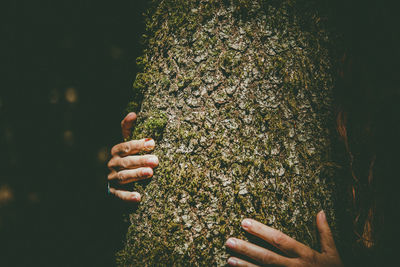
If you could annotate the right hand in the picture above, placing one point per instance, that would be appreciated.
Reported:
(126, 167)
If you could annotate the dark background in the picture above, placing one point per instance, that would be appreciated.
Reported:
(67, 69)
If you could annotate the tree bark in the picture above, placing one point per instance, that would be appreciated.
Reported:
(238, 95)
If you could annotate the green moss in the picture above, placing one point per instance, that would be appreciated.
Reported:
(132, 106)
(220, 163)
(151, 126)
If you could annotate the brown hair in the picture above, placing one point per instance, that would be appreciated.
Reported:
(364, 211)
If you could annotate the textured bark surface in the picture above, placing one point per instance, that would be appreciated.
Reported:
(238, 96)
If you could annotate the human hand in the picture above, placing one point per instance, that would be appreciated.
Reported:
(126, 167)
(300, 254)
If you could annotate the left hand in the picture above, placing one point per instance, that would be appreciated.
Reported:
(300, 254)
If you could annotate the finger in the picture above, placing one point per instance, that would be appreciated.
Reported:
(126, 195)
(133, 162)
(325, 234)
(276, 238)
(239, 262)
(257, 253)
(127, 124)
(133, 147)
(128, 176)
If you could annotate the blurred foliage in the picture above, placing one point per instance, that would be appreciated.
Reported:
(68, 70)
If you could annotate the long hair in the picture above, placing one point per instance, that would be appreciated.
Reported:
(367, 125)
(360, 189)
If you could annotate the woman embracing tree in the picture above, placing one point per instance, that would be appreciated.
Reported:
(238, 99)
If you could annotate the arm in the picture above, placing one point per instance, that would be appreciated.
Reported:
(299, 254)
(126, 167)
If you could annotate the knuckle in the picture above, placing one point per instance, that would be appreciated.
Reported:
(134, 174)
(142, 160)
(278, 239)
(123, 163)
(329, 235)
(242, 247)
(311, 257)
(126, 148)
(120, 176)
(136, 144)
(266, 258)
(314, 257)
(296, 262)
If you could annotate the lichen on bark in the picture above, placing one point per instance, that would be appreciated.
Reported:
(238, 95)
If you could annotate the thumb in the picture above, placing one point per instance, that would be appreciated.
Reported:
(325, 234)
(127, 124)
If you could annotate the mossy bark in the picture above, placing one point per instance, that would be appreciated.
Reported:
(238, 96)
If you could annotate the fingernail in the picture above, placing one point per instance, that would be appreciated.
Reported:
(231, 243)
(323, 216)
(153, 160)
(246, 224)
(232, 261)
(149, 144)
(136, 197)
(147, 172)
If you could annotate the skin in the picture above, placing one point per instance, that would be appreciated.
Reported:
(126, 167)
(297, 254)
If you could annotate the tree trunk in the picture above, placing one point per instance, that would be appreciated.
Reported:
(238, 96)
